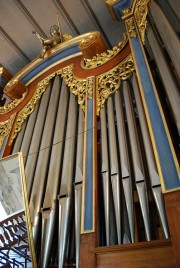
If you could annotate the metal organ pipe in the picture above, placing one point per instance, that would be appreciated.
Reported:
(36, 140)
(137, 161)
(168, 35)
(28, 134)
(124, 160)
(105, 172)
(114, 168)
(49, 209)
(154, 176)
(40, 175)
(78, 182)
(169, 84)
(65, 194)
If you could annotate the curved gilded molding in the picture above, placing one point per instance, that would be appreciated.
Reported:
(109, 82)
(5, 128)
(104, 57)
(29, 107)
(11, 105)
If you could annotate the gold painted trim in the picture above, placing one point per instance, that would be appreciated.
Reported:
(5, 128)
(13, 104)
(77, 85)
(104, 57)
(27, 212)
(29, 107)
(164, 190)
(109, 82)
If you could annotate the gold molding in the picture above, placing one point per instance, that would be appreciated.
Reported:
(109, 82)
(5, 128)
(131, 28)
(140, 14)
(109, 5)
(29, 107)
(11, 105)
(77, 85)
(104, 57)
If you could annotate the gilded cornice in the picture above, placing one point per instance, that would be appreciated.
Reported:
(109, 82)
(5, 128)
(11, 105)
(29, 107)
(104, 57)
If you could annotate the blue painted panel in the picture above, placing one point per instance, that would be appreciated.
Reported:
(169, 171)
(88, 207)
(49, 61)
(120, 6)
(3, 81)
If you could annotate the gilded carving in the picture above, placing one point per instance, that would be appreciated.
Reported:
(77, 86)
(90, 87)
(104, 57)
(10, 106)
(5, 128)
(29, 108)
(131, 27)
(109, 82)
(140, 14)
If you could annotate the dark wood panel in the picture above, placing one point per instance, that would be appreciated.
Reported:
(87, 256)
(138, 255)
(172, 204)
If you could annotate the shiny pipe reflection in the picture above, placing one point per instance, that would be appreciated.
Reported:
(49, 209)
(124, 160)
(137, 160)
(152, 168)
(65, 194)
(40, 176)
(114, 168)
(105, 172)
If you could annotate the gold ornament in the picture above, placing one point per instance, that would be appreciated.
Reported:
(29, 107)
(140, 14)
(109, 82)
(5, 128)
(104, 57)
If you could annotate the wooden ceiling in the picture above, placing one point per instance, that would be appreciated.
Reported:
(18, 18)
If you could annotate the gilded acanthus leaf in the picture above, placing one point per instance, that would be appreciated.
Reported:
(110, 81)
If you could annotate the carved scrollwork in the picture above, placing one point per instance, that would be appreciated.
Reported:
(109, 82)
(104, 57)
(29, 108)
(11, 105)
(140, 14)
(5, 128)
(77, 86)
(131, 27)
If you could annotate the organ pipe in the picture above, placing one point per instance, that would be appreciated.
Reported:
(30, 166)
(168, 81)
(137, 160)
(167, 34)
(65, 194)
(153, 173)
(40, 175)
(78, 182)
(124, 160)
(105, 172)
(49, 209)
(114, 168)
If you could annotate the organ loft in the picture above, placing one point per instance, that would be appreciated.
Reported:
(98, 129)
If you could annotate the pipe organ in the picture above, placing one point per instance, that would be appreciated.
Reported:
(99, 137)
